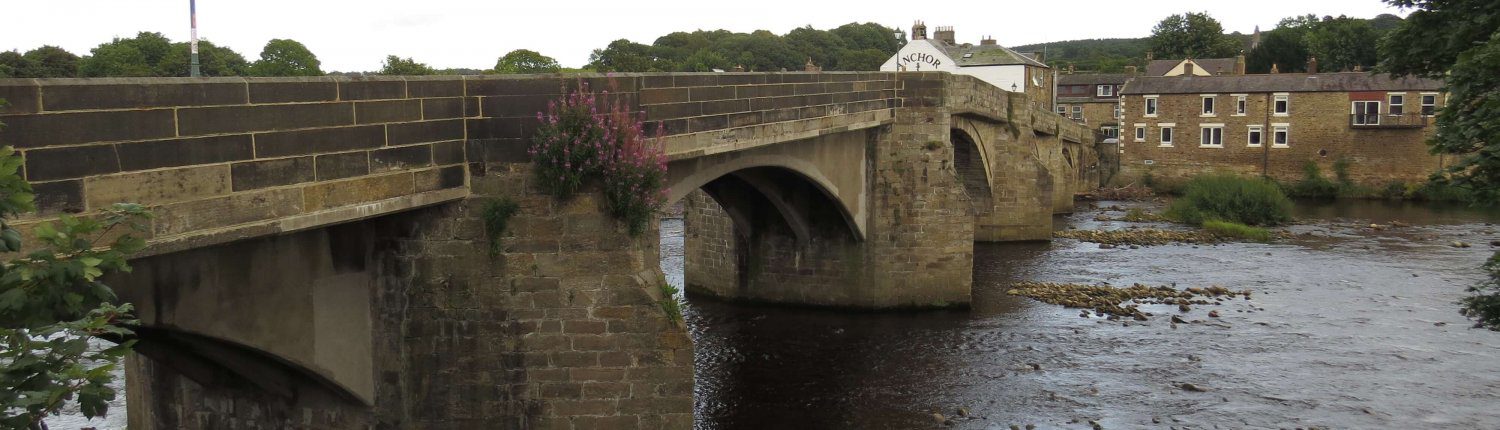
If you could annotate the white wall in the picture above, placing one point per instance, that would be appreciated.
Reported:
(1000, 76)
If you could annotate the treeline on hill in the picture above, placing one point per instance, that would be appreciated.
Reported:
(153, 54)
(1339, 43)
(851, 46)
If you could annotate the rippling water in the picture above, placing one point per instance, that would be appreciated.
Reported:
(1349, 328)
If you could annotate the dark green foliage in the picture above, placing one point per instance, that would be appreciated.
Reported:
(1234, 230)
(1484, 304)
(286, 57)
(52, 304)
(497, 213)
(1343, 43)
(49, 62)
(213, 60)
(1285, 47)
(1231, 198)
(11, 64)
(526, 61)
(849, 47)
(1192, 35)
(1101, 55)
(1313, 185)
(138, 56)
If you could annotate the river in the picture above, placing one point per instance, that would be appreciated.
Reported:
(1349, 327)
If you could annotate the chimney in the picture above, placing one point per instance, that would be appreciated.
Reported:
(987, 41)
(1187, 69)
(1239, 64)
(1312, 64)
(1131, 70)
(1275, 69)
(810, 67)
(1071, 69)
(945, 34)
(1358, 68)
(739, 68)
(918, 31)
(1150, 56)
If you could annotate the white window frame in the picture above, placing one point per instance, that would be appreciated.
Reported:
(1166, 134)
(1152, 106)
(1284, 100)
(1119, 111)
(1062, 109)
(1077, 113)
(1391, 105)
(1205, 128)
(1209, 105)
(1422, 99)
(1140, 132)
(1354, 111)
(1240, 104)
(1104, 91)
(1285, 129)
(1110, 132)
(1253, 130)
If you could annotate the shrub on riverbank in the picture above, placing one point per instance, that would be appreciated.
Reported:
(1226, 229)
(1231, 198)
(1484, 305)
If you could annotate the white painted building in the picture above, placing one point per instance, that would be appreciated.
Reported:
(1009, 70)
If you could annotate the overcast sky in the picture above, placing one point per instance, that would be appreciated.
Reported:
(352, 35)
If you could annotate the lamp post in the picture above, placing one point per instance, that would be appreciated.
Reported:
(194, 70)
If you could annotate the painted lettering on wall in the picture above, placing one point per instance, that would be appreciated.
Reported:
(918, 57)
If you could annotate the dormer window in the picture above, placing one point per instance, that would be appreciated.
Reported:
(968, 55)
(1106, 91)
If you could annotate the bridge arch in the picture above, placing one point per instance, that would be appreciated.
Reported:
(776, 179)
(972, 165)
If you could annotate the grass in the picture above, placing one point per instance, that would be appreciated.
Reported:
(1231, 198)
(1236, 230)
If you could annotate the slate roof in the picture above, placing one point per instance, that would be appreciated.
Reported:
(1077, 100)
(1092, 79)
(1284, 82)
(984, 55)
(1210, 65)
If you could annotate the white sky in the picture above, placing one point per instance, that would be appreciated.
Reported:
(355, 35)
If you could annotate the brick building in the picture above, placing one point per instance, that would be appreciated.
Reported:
(999, 66)
(1092, 99)
(1178, 126)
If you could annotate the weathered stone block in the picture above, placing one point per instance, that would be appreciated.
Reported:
(399, 158)
(293, 90)
(224, 211)
(373, 89)
(239, 119)
(58, 197)
(184, 152)
(450, 152)
(71, 162)
(269, 173)
(322, 196)
(345, 165)
(384, 111)
(425, 131)
(157, 187)
(124, 93)
(20, 95)
(434, 86)
(314, 141)
(442, 108)
(40, 130)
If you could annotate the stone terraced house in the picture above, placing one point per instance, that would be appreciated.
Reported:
(1274, 124)
(1092, 99)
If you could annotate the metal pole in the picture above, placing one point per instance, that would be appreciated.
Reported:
(194, 71)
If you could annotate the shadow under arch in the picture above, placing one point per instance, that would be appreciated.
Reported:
(971, 164)
(797, 189)
(217, 363)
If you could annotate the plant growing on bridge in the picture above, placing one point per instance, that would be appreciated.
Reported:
(584, 137)
(496, 215)
(52, 304)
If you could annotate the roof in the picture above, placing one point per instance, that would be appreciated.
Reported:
(1092, 79)
(1210, 65)
(1078, 100)
(983, 55)
(1285, 82)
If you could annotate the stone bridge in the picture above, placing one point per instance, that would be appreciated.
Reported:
(318, 259)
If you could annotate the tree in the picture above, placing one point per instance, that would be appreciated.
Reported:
(398, 66)
(1284, 47)
(138, 56)
(705, 60)
(526, 61)
(52, 304)
(868, 59)
(623, 56)
(11, 63)
(1191, 35)
(823, 47)
(869, 36)
(49, 62)
(1343, 43)
(1459, 41)
(213, 60)
(286, 57)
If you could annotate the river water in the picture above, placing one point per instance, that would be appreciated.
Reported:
(1349, 327)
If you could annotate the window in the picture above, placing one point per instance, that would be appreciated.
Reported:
(1118, 113)
(1398, 104)
(1106, 90)
(1140, 132)
(1239, 105)
(1366, 113)
(1256, 136)
(1110, 132)
(1151, 106)
(1429, 104)
(1280, 135)
(1212, 136)
(1062, 110)
(1078, 112)
(1283, 104)
(1166, 134)
(1208, 105)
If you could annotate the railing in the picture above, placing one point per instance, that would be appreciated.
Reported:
(1371, 120)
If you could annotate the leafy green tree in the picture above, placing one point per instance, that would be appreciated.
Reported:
(138, 56)
(705, 60)
(52, 304)
(868, 59)
(213, 60)
(624, 56)
(1385, 22)
(398, 66)
(526, 61)
(1285, 47)
(1459, 41)
(11, 63)
(286, 57)
(868, 36)
(1191, 35)
(49, 62)
(1343, 43)
(823, 47)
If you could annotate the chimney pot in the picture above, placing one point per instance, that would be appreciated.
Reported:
(1312, 64)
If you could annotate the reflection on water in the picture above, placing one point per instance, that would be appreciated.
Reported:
(1350, 327)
